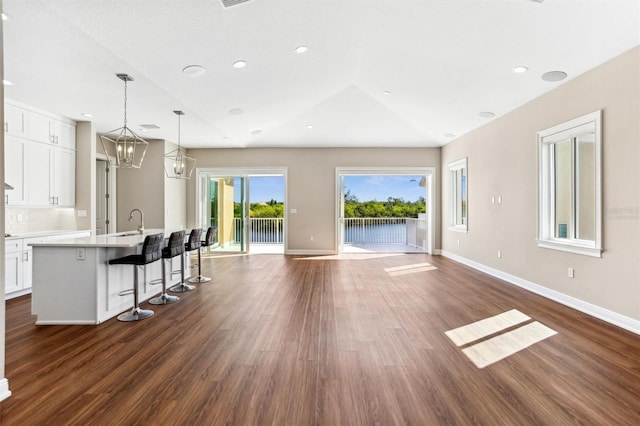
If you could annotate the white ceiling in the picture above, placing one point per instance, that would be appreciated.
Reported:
(443, 62)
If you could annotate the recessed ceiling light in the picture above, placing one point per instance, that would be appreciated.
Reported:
(240, 64)
(309, 126)
(520, 69)
(256, 132)
(554, 76)
(87, 114)
(236, 111)
(301, 49)
(386, 92)
(487, 114)
(7, 83)
(193, 70)
(4, 16)
(449, 135)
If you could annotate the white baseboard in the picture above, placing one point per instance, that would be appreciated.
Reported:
(437, 252)
(4, 389)
(611, 317)
(311, 252)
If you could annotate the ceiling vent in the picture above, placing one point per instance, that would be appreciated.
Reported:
(229, 3)
(149, 126)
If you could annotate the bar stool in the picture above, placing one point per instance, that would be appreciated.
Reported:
(192, 244)
(151, 252)
(175, 247)
(209, 239)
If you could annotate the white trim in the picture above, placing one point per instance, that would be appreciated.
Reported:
(611, 317)
(245, 172)
(437, 252)
(70, 322)
(571, 248)
(4, 389)
(545, 223)
(459, 228)
(454, 166)
(311, 252)
(430, 198)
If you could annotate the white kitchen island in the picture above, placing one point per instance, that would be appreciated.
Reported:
(73, 282)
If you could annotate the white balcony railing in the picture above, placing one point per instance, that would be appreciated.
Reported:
(367, 230)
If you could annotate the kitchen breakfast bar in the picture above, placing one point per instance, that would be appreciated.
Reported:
(73, 282)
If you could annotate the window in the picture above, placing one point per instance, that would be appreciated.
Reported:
(458, 195)
(569, 186)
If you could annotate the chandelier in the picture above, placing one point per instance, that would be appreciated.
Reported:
(124, 148)
(177, 164)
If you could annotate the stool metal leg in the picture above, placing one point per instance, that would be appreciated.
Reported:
(182, 287)
(164, 298)
(199, 278)
(136, 313)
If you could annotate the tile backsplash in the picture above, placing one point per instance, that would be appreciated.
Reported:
(18, 221)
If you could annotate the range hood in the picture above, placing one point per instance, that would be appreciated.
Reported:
(7, 186)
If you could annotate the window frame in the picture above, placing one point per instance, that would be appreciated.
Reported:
(455, 198)
(546, 191)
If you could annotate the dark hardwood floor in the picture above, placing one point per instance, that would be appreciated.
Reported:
(325, 340)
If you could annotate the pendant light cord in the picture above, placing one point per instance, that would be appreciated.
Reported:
(125, 103)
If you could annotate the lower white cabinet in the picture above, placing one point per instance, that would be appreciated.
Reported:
(13, 267)
(19, 262)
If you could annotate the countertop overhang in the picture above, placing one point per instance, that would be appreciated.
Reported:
(119, 239)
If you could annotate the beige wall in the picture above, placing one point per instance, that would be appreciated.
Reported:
(311, 186)
(86, 175)
(503, 162)
(142, 189)
(161, 199)
(175, 198)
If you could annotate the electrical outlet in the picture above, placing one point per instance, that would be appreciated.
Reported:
(80, 254)
(570, 272)
(499, 254)
(493, 200)
(458, 243)
(311, 238)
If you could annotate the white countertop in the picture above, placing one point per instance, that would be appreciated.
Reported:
(36, 234)
(120, 239)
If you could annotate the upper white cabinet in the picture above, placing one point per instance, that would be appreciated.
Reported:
(64, 177)
(50, 130)
(14, 151)
(40, 158)
(16, 121)
(38, 171)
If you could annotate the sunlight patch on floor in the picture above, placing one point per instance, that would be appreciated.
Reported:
(505, 343)
(409, 269)
(354, 256)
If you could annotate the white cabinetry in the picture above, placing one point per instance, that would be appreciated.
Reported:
(50, 174)
(16, 121)
(13, 268)
(38, 171)
(50, 130)
(64, 177)
(14, 151)
(19, 258)
(39, 158)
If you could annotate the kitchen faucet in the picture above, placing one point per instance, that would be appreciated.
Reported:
(141, 226)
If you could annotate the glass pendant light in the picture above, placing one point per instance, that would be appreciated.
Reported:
(124, 148)
(178, 165)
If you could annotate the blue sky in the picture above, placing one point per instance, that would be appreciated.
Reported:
(365, 188)
(379, 188)
(266, 188)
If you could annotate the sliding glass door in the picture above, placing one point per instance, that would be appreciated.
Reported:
(245, 222)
